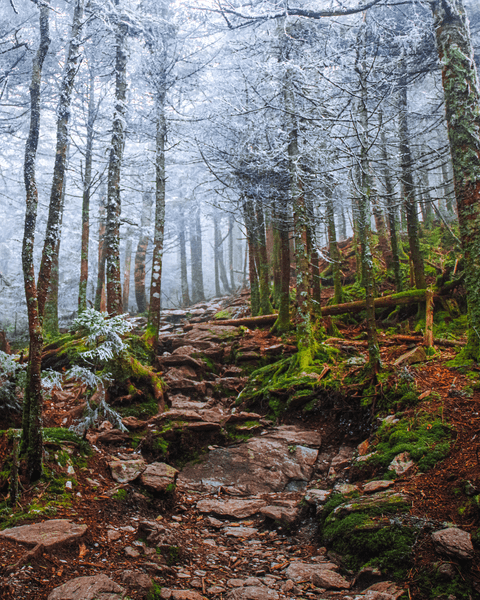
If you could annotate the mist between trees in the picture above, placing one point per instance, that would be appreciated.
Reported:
(171, 151)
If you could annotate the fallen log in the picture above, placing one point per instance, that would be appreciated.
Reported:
(395, 339)
(403, 298)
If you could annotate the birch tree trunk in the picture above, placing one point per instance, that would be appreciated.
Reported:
(112, 234)
(33, 400)
(462, 106)
(87, 183)
(55, 209)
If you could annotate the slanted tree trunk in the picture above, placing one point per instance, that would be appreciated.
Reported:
(198, 294)
(100, 296)
(127, 269)
(112, 234)
(33, 400)
(410, 204)
(159, 228)
(55, 209)
(87, 183)
(462, 102)
(364, 202)
(141, 253)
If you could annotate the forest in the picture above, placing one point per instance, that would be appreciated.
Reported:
(239, 299)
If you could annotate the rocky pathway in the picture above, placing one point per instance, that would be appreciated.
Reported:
(243, 522)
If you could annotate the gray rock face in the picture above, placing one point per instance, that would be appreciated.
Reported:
(158, 476)
(49, 533)
(453, 542)
(125, 471)
(263, 464)
(97, 587)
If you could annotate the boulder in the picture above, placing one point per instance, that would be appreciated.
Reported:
(137, 580)
(321, 574)
(169, 594)
(237, 509)
(294, 436)
(282, 514)
(124, 471)
(50, 534)
(263, 464)
(158, 476)
(96, 587)
(384, 590)
(411, 357)
(453, 542)
(253, 592)
(240, 532)
(317, 497)
(377, 486)
(340, 462)
(401, 463)
(241, 417)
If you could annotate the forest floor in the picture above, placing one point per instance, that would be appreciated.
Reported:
(213, 555)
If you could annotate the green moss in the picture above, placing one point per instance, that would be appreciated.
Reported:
(141, 410)
(57, 435)
(424, 436)
(431, 585)
(120, 495)
(223, 314)
(155, 592)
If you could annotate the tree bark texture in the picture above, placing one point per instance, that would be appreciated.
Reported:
(282, 323)
(183, 258)
(33, 400)
(462, 102)
(112, 235)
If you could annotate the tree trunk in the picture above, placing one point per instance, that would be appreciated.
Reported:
(216, 244)
(198, 293)
(406, 163)
(127, 271)
(231, 229)
(55, 209)
(364, 203)
(250, 225)
(282, 323)
(140, 254)
(183, 258)
(262, 264)
(333, 247)
(112, 235)
(462, 101)
(158, 236)
(50, 318)
(87, 183)
(100, 297)
(33, 401)
(391, 216)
